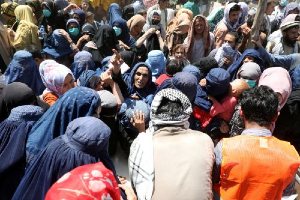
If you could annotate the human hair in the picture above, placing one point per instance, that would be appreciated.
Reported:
(170, 108)
(89, 14)
(234, 8)
(36, 53)
(173, 66)
(178, 46)
(259, 105)
(235, 35)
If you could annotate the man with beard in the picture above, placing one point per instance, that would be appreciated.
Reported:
(288, 43)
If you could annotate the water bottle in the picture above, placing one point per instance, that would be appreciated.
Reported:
(42, 32)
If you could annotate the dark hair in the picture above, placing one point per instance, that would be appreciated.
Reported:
(36, 53)
(173, 67)
(171, 108)
(236, 7)
(259, 105)
(235, 35)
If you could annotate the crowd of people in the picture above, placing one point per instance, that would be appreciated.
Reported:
(201, 109)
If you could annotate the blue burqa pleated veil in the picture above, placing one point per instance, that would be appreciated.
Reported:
(13, 135)
(84, 142)
(75, 103)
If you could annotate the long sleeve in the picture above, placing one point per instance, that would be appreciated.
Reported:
(277, 60)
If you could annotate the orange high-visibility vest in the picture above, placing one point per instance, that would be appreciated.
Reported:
(256, 167)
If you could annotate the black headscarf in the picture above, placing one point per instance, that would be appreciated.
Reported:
(130, 58)
(128, 12)
(105, 40)
(51, 20)
(13, 95)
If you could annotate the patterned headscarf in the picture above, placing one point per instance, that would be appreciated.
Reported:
(167, 119)
(205, 36)
(53, 76)
(88, 182)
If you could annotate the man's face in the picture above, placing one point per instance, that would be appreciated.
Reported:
(199, 26)
(270, 8)
(234, 16)
(291, 36)
(230, 39)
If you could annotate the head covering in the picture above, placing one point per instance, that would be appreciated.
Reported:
(290, 21)
(205, 65)
(249, 70)
(279, 80)
(128, 12)
(53, 76)
(124, 36)
(185, 82)
(95, 181)
(8, 12)
(36, 4)
(73, 21)
(134, 106)
(149, 20)
(109, 104)
(193, 70)
(243, 17)
(295, 77)
(89, 79)
(23, 69)
(76, 102)
(291, 6)
(81, 15)
(173, 22)
(143, 93)
(157, 61)
(105, 40)
(226, 19)
(85, 141)
(129, 57)
(114, 12)
(61, 4)
(13, 95)
(24, 12)
(134, 21)
(83, 61)
(163, 119)
(88, 29)
(205, 36)
(13, 135)
(217, 82)
(50, 5)
(233, 69)
(57, 45)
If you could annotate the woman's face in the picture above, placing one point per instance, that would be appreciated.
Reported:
(248, 59)
(72, 25)
(75, 16)
(141, 77)
(99, 86)
(68, 83)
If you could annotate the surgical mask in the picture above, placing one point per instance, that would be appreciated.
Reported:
(46, 13)
(117, 31)
(251, 83)
(155, 21)
(283, 3)
(74, 31)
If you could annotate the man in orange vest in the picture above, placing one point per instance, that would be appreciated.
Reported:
(255, 165)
